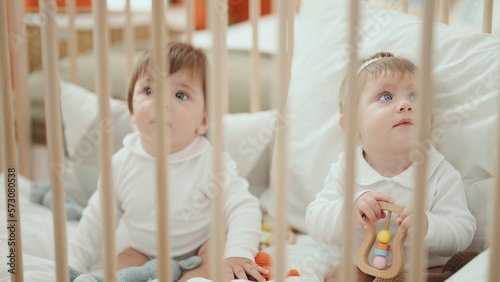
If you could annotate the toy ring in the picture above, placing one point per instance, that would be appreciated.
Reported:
(397, 266)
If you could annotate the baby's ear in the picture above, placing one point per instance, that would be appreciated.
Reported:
(132, 118)
(202, 128)
(341, 122)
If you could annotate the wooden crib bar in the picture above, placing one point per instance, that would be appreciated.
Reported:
(404, 6)
(223, 18)
(14, 257)
(255, 99)
(291, 37)
(279, 186)
(494, 229)
(128, 36)
(347, 270)
(102, 78)
(72, 41)
(444, 12)
(19, 51)
(215, 99)
(54, 134)
(160, 69)
(487, 15)
(418, 249)
(190, 23)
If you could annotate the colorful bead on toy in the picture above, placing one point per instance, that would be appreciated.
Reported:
(384, 236)
(382, 248)
(380, 262)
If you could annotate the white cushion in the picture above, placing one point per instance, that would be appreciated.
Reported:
(465, 100)
(82, 137)
(247, 139)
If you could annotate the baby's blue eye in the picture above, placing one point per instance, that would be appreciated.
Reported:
(413, 96)
(385, 97)
(181, 96)
(148, 91)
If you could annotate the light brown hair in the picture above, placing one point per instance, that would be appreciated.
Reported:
(180, 55)
(387, 62)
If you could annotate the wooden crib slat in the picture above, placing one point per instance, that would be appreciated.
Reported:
(101, 48)
(418, 255)
(487, 16)
(216, 108)
(255, 99)
(19, 47)
(279, 187)
(54, 133)
(160, 68)
(128, 36)
(494, 229)
(404, 6)
(347, 271)
(445, 12)
(190, 24)
(9, 156)
(223, 18)
(72, 41)
(290, 37)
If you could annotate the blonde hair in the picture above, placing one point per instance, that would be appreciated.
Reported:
(180, 55)
(373, 67)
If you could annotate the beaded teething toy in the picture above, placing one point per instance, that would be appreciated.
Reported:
(382, 248)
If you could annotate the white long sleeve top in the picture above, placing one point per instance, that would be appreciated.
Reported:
(191, 192)
(451, 225)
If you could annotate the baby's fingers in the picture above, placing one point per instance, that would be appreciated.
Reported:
(262, 269)
(358, 217)
(405, 224)
(230, 272)
(255, 272)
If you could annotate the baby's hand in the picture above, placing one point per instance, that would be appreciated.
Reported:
(367, 205)
(405, 220)
(238, 268)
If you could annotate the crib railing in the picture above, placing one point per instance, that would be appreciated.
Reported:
(217, 107)
(9, 155)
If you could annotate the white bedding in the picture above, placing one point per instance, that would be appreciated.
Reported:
(37, 236)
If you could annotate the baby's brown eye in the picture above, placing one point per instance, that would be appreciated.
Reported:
(148, 91)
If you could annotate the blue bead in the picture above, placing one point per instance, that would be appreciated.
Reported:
(379, 252)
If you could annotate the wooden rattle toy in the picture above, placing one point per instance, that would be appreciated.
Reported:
(382, 248)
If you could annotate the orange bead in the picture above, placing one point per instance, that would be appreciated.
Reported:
(292, 272)
(383, 246)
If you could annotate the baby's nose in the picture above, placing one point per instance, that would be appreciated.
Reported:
(405, 105)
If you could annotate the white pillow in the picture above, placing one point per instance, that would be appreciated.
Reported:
(247, 139)
(82, 137)
(465, 100)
